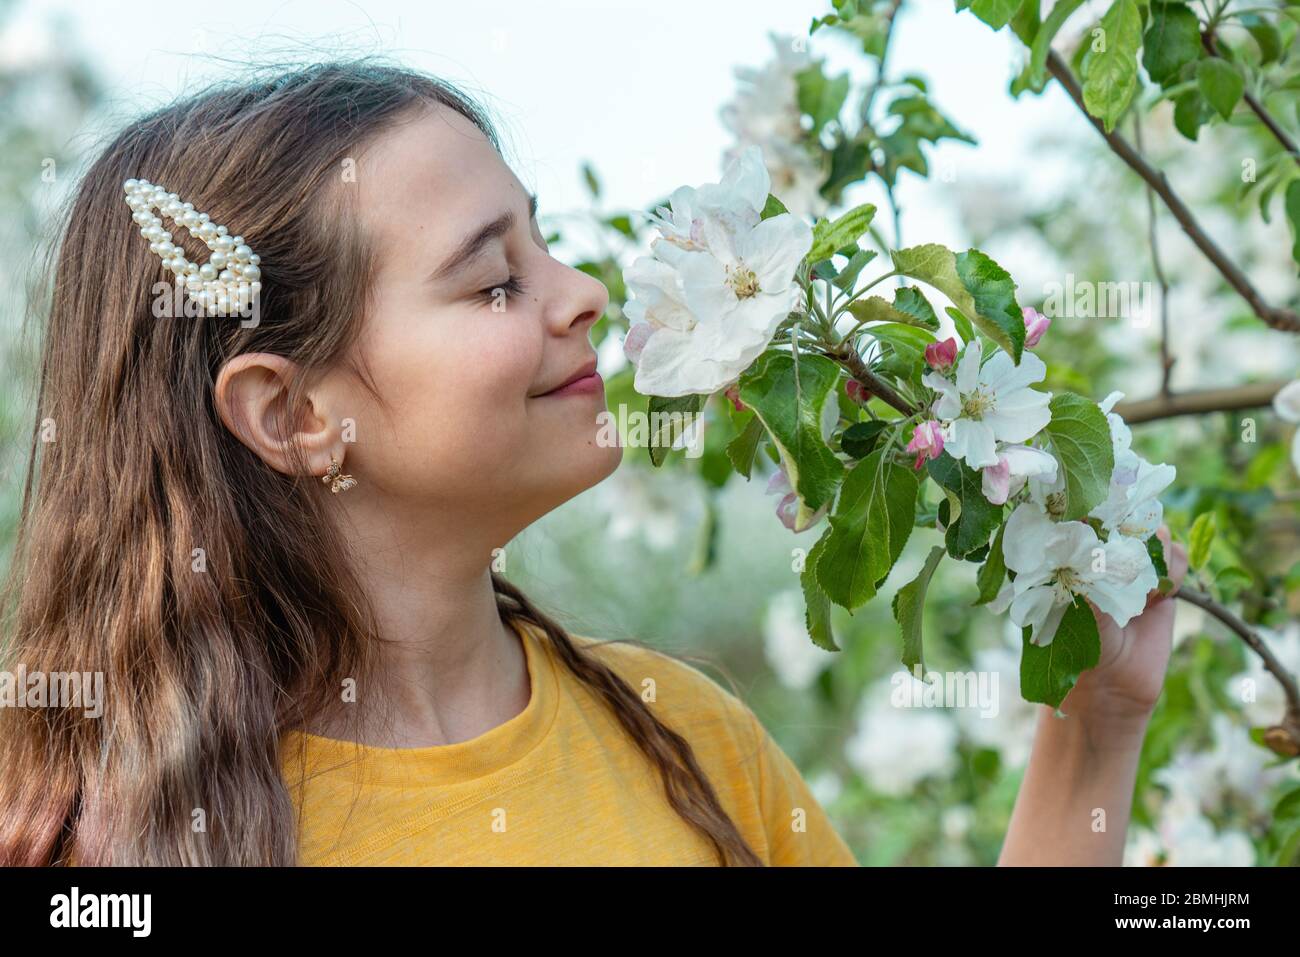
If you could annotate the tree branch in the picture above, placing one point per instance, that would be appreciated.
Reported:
(1283, 738)
(1166, 357)
(1212, 48)
(1166, 406)
(848, 357)
(1281, 319)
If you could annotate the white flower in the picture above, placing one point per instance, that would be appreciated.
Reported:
(1016, 464)
(1132, 506)
(1234, 770)
(709, 300)
(1010, 731)
(1262, 699)
(1188, 839)
(990, 404)
(896, 748)
(786, 645)
(1287, 405)
(1055, 561)
(765, 112)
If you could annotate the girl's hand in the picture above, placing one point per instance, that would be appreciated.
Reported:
(1130, 672)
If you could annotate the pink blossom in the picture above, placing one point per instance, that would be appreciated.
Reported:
(732, 392)
(787, 509)
(856, 391)
(941, 355)
(927, 442)
(997, 481)
(1035, 326)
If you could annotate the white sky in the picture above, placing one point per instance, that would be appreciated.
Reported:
(633, 87)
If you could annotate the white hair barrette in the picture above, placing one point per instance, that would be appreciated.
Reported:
(228, 282)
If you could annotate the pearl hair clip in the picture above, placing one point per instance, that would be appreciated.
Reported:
(229, 281)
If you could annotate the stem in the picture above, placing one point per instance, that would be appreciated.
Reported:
(1168, 405)
(1166, 360)
(1282, 319)
(1284, 738)
(848, 357)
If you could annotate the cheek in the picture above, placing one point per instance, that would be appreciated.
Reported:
(457, 414)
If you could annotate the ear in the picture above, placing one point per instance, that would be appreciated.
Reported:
(251, 395)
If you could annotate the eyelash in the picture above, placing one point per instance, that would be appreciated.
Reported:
(512, 286)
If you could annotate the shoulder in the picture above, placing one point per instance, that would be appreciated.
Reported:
(680, 692)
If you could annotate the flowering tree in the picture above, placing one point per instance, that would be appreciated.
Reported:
(894, 391)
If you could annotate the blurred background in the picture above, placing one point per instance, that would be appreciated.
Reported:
(604, 109)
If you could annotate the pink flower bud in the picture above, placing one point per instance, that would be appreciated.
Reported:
(732, 392)
(927, 442)
(941, 355)
(1035, 325)
(856, 391)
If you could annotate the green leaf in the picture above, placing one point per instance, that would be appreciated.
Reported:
(1035, 75)
(909, 604)
(589, 176)
(1111, 76)
(860, 439)
(744, 447)
(1200, 539)
(997, 313)
(817, 607)
(909, 299)
(1266, 36)
(829, 236)
(906, 359)
(789, 399)
(1190, 112)
(996, 13)
(1293, 215)
(1026, 22)
(971, 529)
(869, 528)
(1171, 42)
(963, 325)
(849, 274)
(820, 96)
(773, 207)
(1080, 437)
(936, 266)
(1221, 85)
(992, 572)
(1047, 673)
(1156, 549)
(669, 418)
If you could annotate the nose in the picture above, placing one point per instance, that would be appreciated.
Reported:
(583, 301)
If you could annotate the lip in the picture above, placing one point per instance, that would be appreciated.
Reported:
(586, 380)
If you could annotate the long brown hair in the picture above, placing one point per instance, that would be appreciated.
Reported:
(132, 480)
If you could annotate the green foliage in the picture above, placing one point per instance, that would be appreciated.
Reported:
(1047, 673)
(1081, 440)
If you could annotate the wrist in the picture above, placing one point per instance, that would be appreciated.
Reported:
(1097, 728)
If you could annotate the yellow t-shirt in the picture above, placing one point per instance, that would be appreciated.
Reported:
(560, 783)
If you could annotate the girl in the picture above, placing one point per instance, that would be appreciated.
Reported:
(308, 672)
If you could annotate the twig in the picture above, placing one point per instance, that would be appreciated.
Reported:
(1256, 107)
(848, 357)
(1166, 360)
(1167, 406)
(1283, 738)
(1278, 318)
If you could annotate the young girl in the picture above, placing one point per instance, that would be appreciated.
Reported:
(273, 537)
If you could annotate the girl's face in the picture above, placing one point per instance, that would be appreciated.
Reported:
(475, 337)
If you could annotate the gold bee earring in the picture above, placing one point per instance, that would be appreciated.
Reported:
(336, 481)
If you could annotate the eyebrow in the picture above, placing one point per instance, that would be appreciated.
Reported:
(478, 240)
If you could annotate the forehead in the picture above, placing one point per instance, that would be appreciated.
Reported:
(431, 180)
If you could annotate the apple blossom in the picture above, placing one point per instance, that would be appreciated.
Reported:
(989, 404)
(1132, 506)
(941, 355)
(719, 284)
(1055, 561)
(1287, 405)
(1036, 324)
(1016, 464)
(927, 442)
